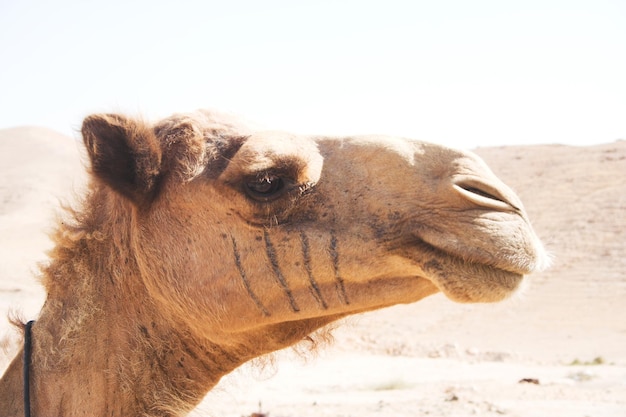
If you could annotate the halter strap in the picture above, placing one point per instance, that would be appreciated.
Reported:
(27, 354)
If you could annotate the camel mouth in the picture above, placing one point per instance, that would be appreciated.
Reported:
(468, 280)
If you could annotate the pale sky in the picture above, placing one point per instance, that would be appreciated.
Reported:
(464, 73)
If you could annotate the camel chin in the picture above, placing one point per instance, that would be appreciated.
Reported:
(499, 286)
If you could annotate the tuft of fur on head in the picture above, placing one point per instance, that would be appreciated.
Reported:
(194, 140)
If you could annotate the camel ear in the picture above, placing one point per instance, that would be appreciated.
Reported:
(125, 154)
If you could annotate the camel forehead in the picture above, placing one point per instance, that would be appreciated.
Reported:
(389, 151)
(266, 151)
(406, 149)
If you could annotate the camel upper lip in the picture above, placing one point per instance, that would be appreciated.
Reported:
(503, 266)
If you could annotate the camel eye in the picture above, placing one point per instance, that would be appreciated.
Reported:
(265, 188)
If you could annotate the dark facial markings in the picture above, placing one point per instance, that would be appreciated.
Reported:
(271, 255)
(246, 283)
(280, 278)
(306, 255)
(334, 254)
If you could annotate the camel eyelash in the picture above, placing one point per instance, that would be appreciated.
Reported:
(268, 186)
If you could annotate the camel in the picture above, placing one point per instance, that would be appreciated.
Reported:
(200, 244)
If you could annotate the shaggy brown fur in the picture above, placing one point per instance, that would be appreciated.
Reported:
(201, 245)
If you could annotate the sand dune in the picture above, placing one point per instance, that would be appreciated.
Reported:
(430, 358)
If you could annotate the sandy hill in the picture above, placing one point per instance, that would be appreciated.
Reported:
(452, 359)
(39, 168)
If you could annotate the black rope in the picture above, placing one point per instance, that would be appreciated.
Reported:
(26, 368)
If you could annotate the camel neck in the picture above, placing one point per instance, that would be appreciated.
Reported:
(102, 344)
(112, 367)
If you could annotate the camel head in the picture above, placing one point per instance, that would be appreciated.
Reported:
(201, 244)
(241, 230)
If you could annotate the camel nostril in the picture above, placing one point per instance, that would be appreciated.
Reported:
(483, 194)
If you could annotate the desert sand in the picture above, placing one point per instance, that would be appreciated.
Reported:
(557, 349)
